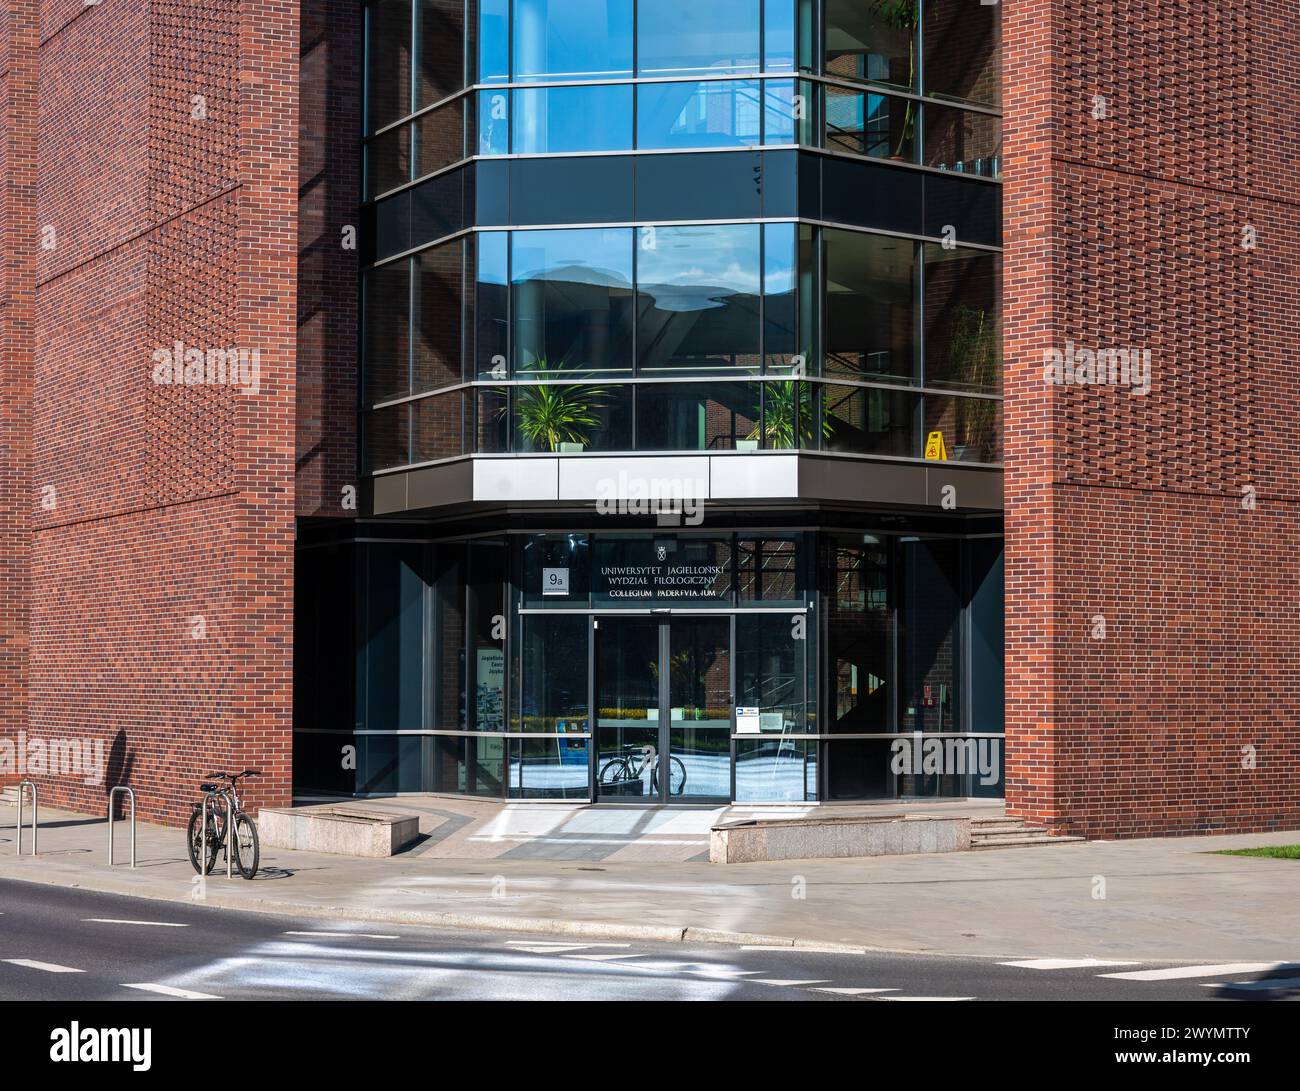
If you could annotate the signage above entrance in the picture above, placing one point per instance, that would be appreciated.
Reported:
(664, 570)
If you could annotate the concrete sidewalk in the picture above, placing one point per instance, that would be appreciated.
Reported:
(1163, 899)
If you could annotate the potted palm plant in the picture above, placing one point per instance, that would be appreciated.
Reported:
(558, 418)
(783, 403)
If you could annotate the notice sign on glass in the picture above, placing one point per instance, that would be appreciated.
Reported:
(555, 581)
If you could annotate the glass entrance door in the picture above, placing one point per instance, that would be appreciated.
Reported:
(663, 705)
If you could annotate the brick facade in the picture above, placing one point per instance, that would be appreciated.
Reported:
(1152, 651)
(150, 198)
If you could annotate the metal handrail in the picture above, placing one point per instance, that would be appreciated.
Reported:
(203, 833)
(35, 815)
(112, 795)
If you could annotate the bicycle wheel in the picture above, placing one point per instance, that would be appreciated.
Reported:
(209, 843)
(676, 777)
(614, 771)
(248, 849)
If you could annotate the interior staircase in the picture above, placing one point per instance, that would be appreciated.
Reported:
(1007, 833)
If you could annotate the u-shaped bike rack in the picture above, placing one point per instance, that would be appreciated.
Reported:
(35, 815)
(112, 798)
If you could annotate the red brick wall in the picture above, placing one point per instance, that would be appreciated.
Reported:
(19, 34)
(161, 560)
(1126, 511)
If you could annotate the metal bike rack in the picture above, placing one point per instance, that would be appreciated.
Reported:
(35, 815)
(203, 832)
(112, 796)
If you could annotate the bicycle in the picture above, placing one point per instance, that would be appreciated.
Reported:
(632, 763)
(247, 848)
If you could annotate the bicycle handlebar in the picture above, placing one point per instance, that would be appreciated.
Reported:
(232, 777)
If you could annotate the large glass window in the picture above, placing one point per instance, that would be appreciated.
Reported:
(780, 297)
(388, 62)
(440, 316)
(386, 331)
(698, 298)
(963, 346)
(572, 119)
(870, 305)
(571, 301)
(440, 44)
(712, 114)
(569, 418)
(493, 41)
(553, 682)
(687, 38)
(871, 40)
(572, 39)
(857, 607)
(698, 417)
(963, 50)
(866, 123)
(963, 141)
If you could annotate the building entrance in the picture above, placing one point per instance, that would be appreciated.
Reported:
(663, 692)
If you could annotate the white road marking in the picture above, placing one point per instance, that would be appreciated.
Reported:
(603, 958)
(48, 967)
(1174, 973)
(149, 924)
(1063, 963)
(722, 972)
(787, 982)
(925, 999)
(558, 948)
(1266, 985)
(345, 935)
(169, 990)
(853, 992)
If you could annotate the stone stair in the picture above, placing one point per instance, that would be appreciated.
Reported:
(1008, 833)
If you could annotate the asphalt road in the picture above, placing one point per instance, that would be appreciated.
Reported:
(66, 944)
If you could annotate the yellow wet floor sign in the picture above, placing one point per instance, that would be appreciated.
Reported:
(935, 451)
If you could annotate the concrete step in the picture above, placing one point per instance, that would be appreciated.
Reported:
(1005, 833)
(1024, 842)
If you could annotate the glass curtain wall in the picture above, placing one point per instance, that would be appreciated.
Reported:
(578, 340)
(907, 81)
(825, 667)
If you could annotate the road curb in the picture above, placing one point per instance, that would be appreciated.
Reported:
(552, 926)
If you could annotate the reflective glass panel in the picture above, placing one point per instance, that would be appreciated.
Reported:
(572, 39)
(962, 141)
(863, 123)
(686, 37)
(963, 345)
(493, 41)
(698, 417)
(870, 305)
(963, 51)
(388, 62)
(572, 119)
(872, 41)
(571, 297)
(697, 298)
(440, 41)
(715, 114)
